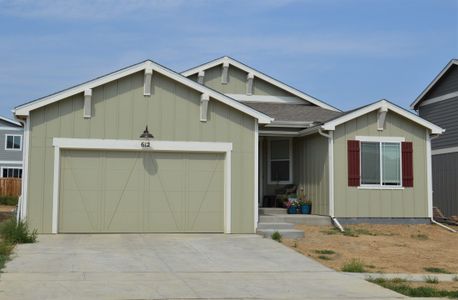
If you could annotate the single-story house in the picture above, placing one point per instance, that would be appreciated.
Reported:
(438, 103)
(146, 149)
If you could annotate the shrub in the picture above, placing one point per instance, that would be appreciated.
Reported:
(9, 200)
(324, 257)
(5, 251)
(354, 266)
(276, 236)
(431, 279)
(436, 270)
(17, 233)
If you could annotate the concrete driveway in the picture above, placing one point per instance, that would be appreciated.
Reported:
(148, 266)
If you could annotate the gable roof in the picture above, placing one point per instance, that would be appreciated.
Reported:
(285, 112)
(352, 114)
(12, 122)
(24, 109)
(260, 75)
(419, 99)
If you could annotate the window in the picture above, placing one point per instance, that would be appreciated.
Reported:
(381, 163)
(12, 172)
(13, 142)
(280, 166)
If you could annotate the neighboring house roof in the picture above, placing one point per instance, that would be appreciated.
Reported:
(256, 73)
(419, 99)
(384, 104)
(12, 122)
(294, 112)
(24, 109)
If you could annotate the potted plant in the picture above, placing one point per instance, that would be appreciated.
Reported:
(292, 207)
(306, 206)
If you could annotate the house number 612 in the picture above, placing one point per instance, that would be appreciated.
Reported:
(145, 144)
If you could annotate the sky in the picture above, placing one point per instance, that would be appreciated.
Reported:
(344, 52)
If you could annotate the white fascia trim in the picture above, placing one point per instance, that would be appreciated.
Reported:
(444, 150)
(135, 145)
(256, 175)
(259, 75)
(25, 170)
(278, 133)
(385, 139)
(331, 125)
(266, 99)
(439, 76)
(429, 174)
(11, 121)
(25, 109)
(439, 98)
(10, 162)
(292, 124)
(11, 128)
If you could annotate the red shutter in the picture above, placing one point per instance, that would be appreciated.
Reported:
(407, 164)
(353, 163)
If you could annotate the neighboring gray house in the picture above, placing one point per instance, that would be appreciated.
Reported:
(438, 103)
(11, 136)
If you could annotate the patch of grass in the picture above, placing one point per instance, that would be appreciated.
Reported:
(17, 233)
(436, 270)
(276, 236)
(420, 237)
(9, 200)
(5, 251)
(354, 266)
(403, 287)
(325, 251)
(324, 257)
(431, 279)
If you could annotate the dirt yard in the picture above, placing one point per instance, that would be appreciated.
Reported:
(382, 248)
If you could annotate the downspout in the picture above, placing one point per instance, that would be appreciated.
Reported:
(330, 137)
(430, 173)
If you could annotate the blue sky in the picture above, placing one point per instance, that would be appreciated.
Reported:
(344, 52)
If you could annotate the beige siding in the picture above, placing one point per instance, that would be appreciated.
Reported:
(354, 202)
(311, 170)
(237, 83)
(120, 111)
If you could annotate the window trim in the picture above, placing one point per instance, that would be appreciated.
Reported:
(269, 160)
(6, 142)
(14, 168)
(380, 141)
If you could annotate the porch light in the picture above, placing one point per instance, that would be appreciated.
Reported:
(146, 135)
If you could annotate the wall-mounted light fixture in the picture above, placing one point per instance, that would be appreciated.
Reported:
(146, 135)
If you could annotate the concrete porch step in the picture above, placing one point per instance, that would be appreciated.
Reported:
(296, 219)
(272, 211)
(275, 226)
(285, 233)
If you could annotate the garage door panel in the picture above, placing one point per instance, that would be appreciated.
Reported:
(108, 191)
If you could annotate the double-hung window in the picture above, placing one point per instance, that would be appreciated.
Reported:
(12, 172)
(381, 164)
(280, 164)
(13, 142)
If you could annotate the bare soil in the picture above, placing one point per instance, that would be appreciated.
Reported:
(381, 248)
(444, 285)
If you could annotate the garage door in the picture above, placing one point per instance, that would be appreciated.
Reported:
(115, 191)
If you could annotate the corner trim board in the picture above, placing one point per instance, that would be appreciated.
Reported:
(135, 145)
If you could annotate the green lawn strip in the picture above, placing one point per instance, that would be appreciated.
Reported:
(436, 270)
(401, 286)
(9, 200)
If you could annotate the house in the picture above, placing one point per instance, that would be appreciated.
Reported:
(146, 149)
(11, 134)
(438, 103)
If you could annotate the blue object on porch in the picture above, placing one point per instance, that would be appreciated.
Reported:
(306, 209)
(292, 210)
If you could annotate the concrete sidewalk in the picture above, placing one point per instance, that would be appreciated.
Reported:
(148, 266)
